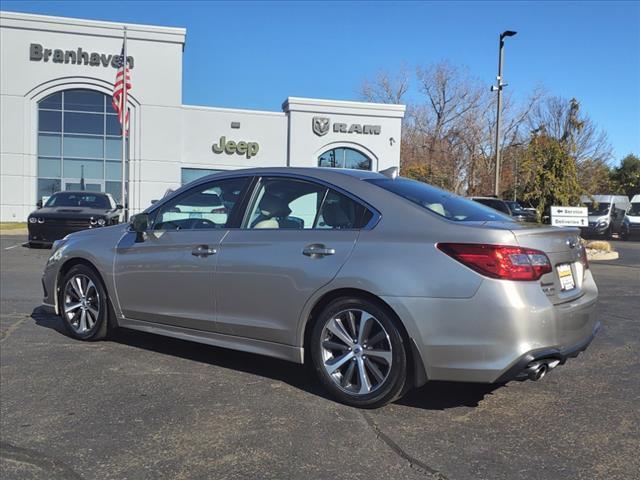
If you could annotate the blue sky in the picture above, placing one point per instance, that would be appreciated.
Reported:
(255, 54)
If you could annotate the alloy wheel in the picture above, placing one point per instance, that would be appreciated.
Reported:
(356, 351)
(81, 303)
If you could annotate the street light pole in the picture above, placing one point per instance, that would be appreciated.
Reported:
(498, 88)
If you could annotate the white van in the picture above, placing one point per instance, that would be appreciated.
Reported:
(606, 214)
(631, 223)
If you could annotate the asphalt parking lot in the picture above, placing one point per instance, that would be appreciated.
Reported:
(142, 406)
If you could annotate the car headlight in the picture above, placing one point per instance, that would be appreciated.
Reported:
(40, 220)
(33, 219)
(101, 222)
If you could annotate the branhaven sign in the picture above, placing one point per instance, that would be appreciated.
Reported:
(37, 53)
(322, 125)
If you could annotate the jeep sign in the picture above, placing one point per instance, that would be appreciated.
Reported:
(230, 147)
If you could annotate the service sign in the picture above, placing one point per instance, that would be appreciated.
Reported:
(569, 216)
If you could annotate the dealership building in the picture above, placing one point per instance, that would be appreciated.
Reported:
(58, 129)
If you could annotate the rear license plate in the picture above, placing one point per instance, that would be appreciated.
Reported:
(565, 274)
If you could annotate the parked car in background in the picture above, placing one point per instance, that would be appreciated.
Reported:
(631, 222)
(606, 214)
(520, 213)
(494, 203)
(380, 282)
(70, 211)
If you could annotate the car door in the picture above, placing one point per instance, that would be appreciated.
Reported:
(168, 277)
(295, 237)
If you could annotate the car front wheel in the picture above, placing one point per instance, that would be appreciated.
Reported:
(358, 353)
(83, 304)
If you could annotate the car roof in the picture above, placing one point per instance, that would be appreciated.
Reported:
(321, 173)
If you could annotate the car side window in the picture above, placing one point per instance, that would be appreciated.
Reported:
(287, 203)
(210, 205)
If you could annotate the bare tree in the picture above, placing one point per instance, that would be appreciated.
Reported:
(386, 88)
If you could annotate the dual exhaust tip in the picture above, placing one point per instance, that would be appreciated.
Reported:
(538, 369)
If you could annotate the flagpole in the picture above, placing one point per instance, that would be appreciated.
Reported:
(124, 110)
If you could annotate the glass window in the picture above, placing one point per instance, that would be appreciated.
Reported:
(80, 146)
(85, 147)
(191, 174)
(113, 170)
(91, 123)
(286, 203)
(84, 101)
(53, 101)
(211, 205)
(441, 202)
(344, 158)
(49, 167)
(115, 190)
(341, 212)
(49, 121)
(47, 187)
(113, 148)
(113, 125)
(49, 145)
(83, 168)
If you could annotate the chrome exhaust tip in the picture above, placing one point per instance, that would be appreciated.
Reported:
(536, 371)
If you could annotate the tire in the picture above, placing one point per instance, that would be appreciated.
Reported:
(339, 361)
(609, 234)
(94, 304)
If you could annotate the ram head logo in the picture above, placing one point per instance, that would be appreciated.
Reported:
(320, 125)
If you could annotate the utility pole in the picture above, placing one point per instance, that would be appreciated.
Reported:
(498, 88)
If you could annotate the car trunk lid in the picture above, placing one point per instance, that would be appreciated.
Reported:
(562, 246)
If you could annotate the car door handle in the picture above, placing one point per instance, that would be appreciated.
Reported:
(317, 250)
(203, 251)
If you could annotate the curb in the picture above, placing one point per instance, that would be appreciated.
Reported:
(601, 256)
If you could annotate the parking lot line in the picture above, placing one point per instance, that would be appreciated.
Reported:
(14, 246)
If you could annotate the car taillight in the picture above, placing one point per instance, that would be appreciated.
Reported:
(499, 261)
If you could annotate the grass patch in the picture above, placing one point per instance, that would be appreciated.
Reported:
(6, 226)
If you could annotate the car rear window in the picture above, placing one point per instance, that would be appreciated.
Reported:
(440, 202)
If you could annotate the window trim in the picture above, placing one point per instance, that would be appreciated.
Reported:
(375, 217)
(252, 187)
(153, 213)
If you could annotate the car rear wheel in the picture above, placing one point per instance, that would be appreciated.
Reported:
(358, 353)
(83, 304)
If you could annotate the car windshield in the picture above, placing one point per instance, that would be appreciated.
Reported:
(441, 202)
(635, 209)
(75, 199)
(515, 206)
(596, 209)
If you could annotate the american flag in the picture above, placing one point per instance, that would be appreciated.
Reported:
(119, 91)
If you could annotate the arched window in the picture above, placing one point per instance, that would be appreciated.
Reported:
(79, 138)
(344, 158)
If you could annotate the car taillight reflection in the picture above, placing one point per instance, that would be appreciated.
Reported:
(499, 261)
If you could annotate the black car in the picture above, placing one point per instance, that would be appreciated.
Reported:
(68, 212)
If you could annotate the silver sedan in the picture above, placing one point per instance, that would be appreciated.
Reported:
(381, 283)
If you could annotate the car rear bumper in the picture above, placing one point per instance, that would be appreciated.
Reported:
(487, 337)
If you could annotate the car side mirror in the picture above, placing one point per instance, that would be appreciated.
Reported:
(39, 204)
(139, 224)
(119, 207)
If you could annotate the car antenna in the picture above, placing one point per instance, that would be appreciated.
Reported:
(391, 172)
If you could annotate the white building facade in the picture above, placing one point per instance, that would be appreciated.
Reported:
(58, 128)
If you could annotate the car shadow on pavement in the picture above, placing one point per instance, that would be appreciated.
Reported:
(432, 396)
